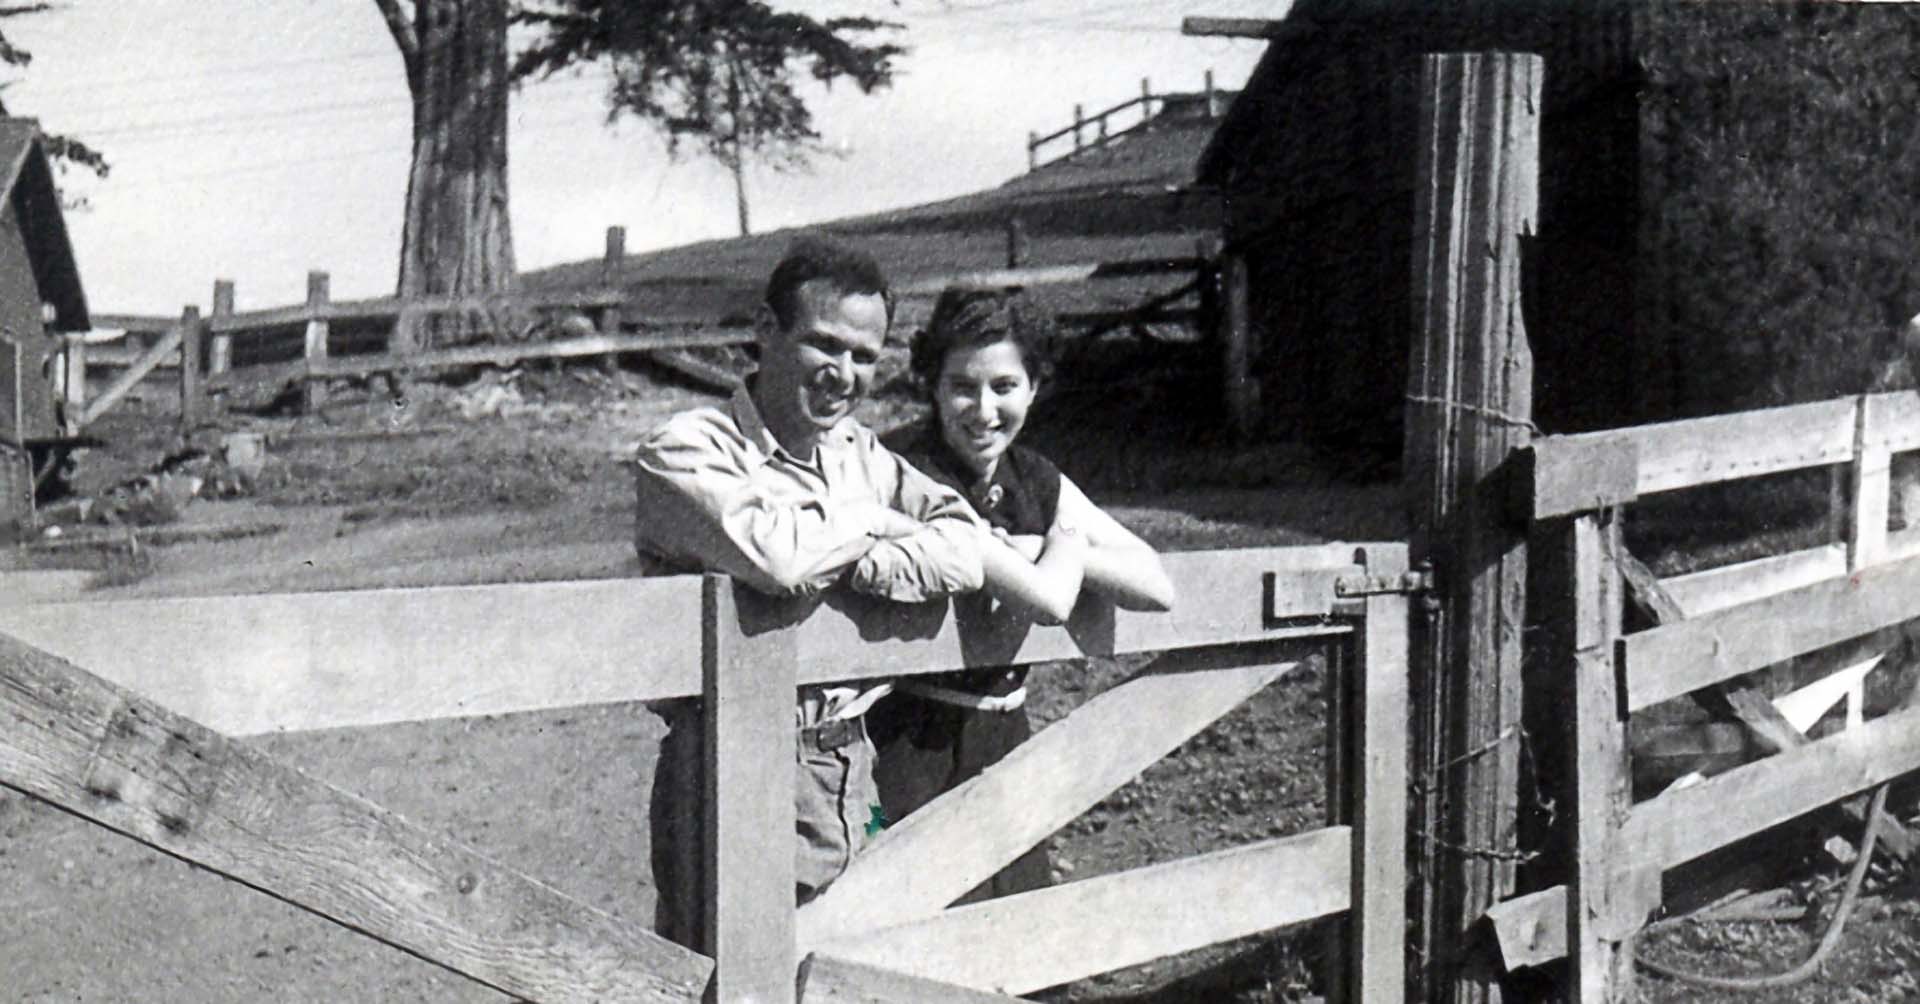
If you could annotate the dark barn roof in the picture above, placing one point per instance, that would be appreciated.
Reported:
(29, 188)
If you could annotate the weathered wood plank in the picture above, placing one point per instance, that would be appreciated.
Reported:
(1562, 475)
(250, 664)
(1896, 421)
(828, 980)
(1872, 484)
(477, 355)
(937, 853)
(1048, 275)
(1601, 905)
(1469, 411)
(1698, 451)
(1049, 936)
(1681, 825)
(168, 347)
(1703, 592)
(1761, 717)
(294, 661)
(1532, 929)
(134, 767)
(1668, 661)
(748, 869)
(1378, 866)
(258, 321)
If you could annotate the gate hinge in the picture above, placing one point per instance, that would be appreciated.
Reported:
(1352, 586)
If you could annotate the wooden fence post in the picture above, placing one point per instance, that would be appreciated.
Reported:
(1379, 799)
(1238, 388)
(1017, 245)
(616, 251)
(1146, 100)
(611, 316)
(193, 339)
(313, 386)
(1213, 100)
(1871, 487)
(1079, 117)
(748, 868)
(1469, 408)
(1033, 149)
(1599, 893)
(220, 348)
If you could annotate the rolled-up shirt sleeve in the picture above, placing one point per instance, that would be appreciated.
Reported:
(698, 501)
(940, 559)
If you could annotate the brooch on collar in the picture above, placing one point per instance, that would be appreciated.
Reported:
(995, 493)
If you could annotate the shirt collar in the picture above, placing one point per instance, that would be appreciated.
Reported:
(746, 415)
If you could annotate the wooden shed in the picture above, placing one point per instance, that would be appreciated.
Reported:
(40, 298)
(1728, 204)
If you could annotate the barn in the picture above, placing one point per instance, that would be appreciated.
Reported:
(40, 298)
(1728, 202)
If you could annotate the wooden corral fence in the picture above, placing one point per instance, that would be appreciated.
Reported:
(1714, 627)
(138, 741)
(200, 348)
(1099, 124)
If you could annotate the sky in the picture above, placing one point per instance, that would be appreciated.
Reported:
(254, 140)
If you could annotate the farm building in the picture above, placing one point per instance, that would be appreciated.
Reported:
(40, 296)
(1124, 191)
(1727, 202)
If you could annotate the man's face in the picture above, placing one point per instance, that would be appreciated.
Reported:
(819, 369)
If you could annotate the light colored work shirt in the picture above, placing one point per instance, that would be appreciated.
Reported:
(717, 492)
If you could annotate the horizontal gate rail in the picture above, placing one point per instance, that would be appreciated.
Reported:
(269, 662)
(1675, 659)
(1584, 471)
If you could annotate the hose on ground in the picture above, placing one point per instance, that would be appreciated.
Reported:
(1828, 940)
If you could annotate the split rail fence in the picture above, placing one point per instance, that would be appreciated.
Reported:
(1719, 624)
(201, 350)
(138, 741)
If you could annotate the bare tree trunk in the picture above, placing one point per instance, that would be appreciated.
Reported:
(457, 239)
(738, 161)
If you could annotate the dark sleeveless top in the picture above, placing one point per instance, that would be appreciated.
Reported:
(1021, 498)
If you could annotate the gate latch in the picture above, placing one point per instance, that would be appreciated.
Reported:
(1353, 586)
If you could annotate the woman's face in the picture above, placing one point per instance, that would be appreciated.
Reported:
(982, 398)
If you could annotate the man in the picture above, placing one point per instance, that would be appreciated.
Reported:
(783, 490)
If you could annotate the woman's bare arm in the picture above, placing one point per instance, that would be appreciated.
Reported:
(1118, 564)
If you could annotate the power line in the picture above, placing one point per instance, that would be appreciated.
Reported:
(176, 75)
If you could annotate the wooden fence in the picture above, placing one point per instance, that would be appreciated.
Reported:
(201, 349)
(1716, 626)
(137, 741)
(1091, 132)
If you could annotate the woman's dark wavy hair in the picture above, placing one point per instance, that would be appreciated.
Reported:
(968, 317)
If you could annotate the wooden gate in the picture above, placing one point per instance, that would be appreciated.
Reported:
(139, 742)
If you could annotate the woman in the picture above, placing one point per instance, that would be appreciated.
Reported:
(982, 360)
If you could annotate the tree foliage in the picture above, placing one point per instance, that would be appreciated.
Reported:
(722, 74)
(63, 149)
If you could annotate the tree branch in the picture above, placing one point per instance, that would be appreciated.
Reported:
(401, 27)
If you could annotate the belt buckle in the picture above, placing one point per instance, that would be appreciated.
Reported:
(833, 734)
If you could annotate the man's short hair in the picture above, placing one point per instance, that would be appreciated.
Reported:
(848, 270)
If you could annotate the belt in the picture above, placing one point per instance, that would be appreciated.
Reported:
(964, 699)
(833, 734)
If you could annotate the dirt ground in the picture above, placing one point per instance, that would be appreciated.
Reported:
(519, 478)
